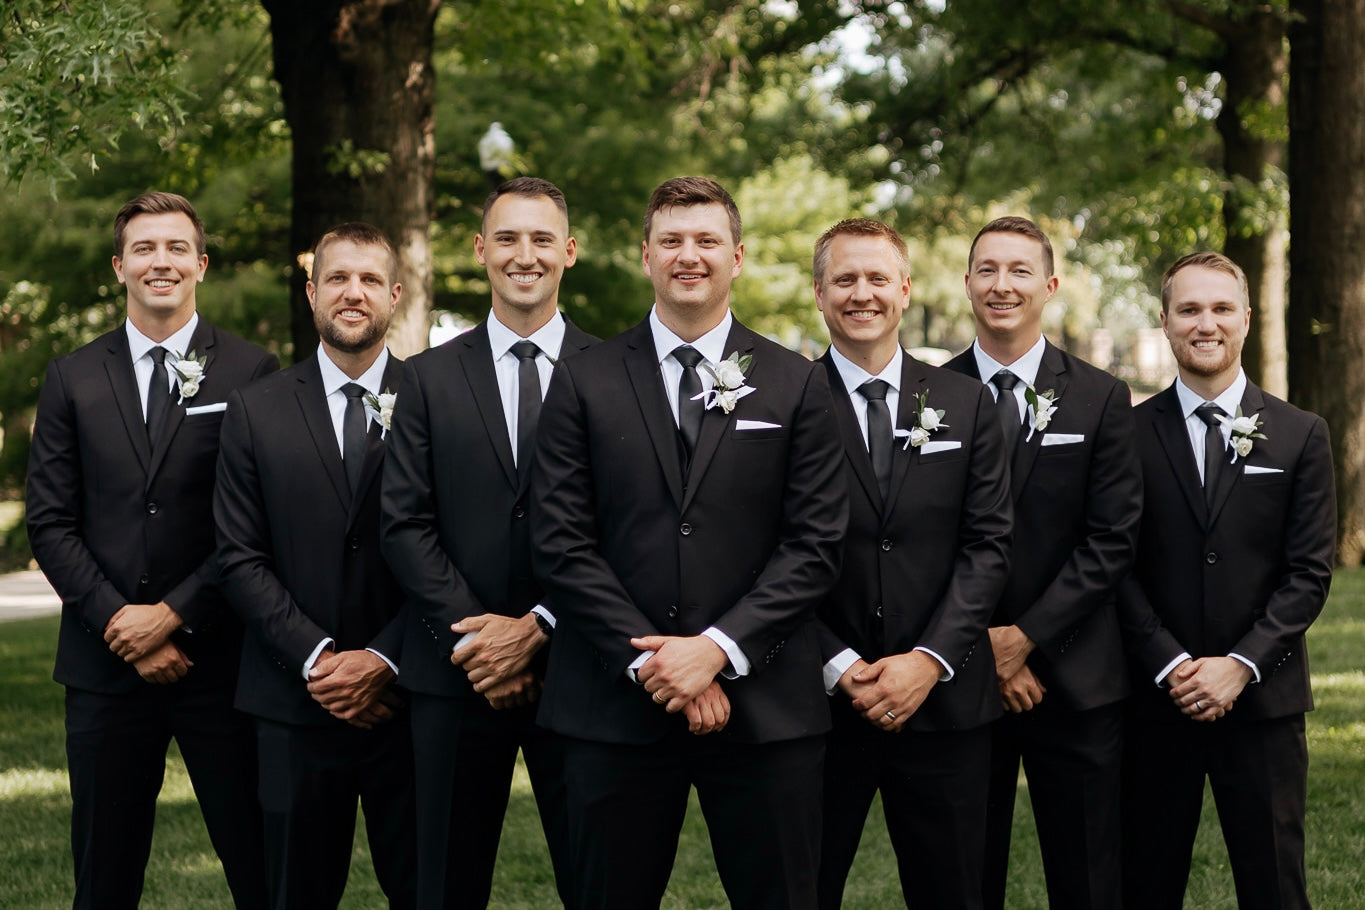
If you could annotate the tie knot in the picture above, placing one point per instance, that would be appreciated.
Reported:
(687, 355)
(525, 350)
(158, 355)
(1005, 380)
(353, 390)
(874, 389)
(1209, 413)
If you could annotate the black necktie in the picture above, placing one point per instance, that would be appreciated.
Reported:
(528, 404)
(879, 432)
(158, 394)
(1213, 447)
(689, 386)
(1007, 406)
(353, 427)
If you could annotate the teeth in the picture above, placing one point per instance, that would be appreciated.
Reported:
(353, 314)
(524, 277)
(162, 283)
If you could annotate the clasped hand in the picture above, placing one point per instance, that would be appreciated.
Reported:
(495, 660)
(353, 686)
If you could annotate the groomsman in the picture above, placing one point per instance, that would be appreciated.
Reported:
(903, 633)
(1077, 494)
(1233, 565)
(297, 508)
(456, 533)
(120, 495)
(688, 514)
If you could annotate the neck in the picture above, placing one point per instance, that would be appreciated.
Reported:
(157, 327)
(1005, 350)
(689, 325)
(1210, 387)
(353, 363)
(873, 358)
(525, 323)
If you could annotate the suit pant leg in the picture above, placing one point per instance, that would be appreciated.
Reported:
(464, 753)
(1003, 786)
(934, 796)
(218, 744)
(543, 751)
(852, 770)
(762, 804)
(308, 793)
(1072, 760)
(116, 759)
(1259, 774)
(1164, 766)
(388, 797)
(626, 805)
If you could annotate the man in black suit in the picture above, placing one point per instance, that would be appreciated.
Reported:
(297, 510)
(925, 560)
(1077, 497)
(1233, 565)
(456, 533)
(688, 514)
(120, 494)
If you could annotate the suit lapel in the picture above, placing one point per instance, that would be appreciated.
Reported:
(201, 343)
(715, 420)
(313, 403)
(1169, 426)
(1253, 400)
(1051, 375)
(642, 368)
(477, 363)
(374, 443)
(855, 447)
(912, 385)
(119, 367)
(575, 340)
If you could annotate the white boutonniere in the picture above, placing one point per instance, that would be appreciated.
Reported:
(728, 377)
(382, 405)
(189, 373)
(926, 420)
(1242, 430)
(1042, 405)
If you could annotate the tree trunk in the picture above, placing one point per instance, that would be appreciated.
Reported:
(1327, 224)
(357, 82)
(1253, 159)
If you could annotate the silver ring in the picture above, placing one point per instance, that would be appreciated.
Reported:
(1198, 706)
(890, 716)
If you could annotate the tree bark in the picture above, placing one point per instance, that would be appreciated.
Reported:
(1327, 224)
(358, 85)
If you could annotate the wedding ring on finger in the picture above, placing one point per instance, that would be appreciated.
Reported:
(1199, 706)
(657, 699)
(890, 716)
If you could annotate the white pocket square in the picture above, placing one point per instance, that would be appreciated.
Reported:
(1257, 469)
(1062, 439)
(741, 424)
(206, 409)
(930, 448)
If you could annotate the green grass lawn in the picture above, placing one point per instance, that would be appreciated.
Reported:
(35, 859)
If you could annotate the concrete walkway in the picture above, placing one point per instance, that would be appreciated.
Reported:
(25, 594)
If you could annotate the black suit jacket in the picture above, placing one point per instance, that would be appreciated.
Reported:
(113, 521)
(456, 529)
(1077, 507)
(748, 542)
(926, 569)
(299, 554)
(1248, 578)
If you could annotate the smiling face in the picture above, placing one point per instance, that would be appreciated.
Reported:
(160, 265)
(1206, 322)
(863, 293)
(692, 258)
(525, 245)
(1008, 283)
(352, 297)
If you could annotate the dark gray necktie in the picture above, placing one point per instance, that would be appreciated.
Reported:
(689, 386)
(1007, 406)
(879, 432)
(353, 427)
(158, 394)
(1213, 447)
(528, 404)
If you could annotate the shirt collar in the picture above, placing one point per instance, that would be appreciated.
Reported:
(549, 337)
(1026, 367)
(1229, 401)
(854, 375)
(179, 342)
(333, 378)
(711, 345)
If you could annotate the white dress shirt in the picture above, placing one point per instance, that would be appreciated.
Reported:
(140, 347)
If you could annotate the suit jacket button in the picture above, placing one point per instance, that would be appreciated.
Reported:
(685, 529)
(143, 578)
(151, 508)
(672, 611)
(886, 546)
(354, 543)
(1211, 558)
(518, 512)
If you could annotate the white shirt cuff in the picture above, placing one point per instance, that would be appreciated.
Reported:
(739, 664)
(313, 658)
(1255, 672)
(1166, 671)
(836, 668)
(392, 665)
(636, 664)
(947, 670)
(544, 611)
